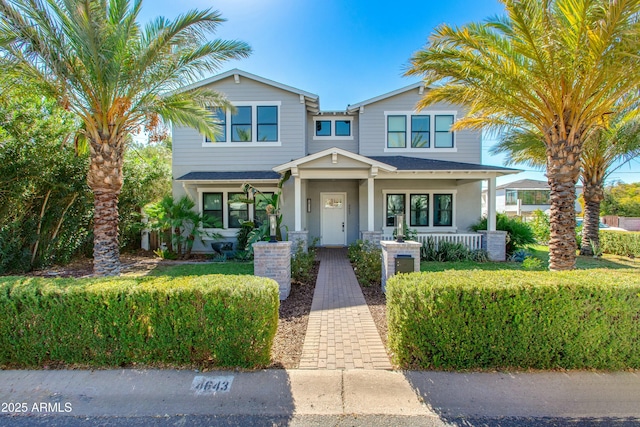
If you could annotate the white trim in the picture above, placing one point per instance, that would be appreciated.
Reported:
(432, 133)
(328, 152)
(332, 120)
(431, 192)
(254, 127)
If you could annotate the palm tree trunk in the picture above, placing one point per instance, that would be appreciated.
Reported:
(563, 170)
(593, 195)
(105, 180)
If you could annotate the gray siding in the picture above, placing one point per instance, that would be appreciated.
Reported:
(316, 145)
(189, 154)
(373, 136)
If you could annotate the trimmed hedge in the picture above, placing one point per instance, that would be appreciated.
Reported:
(515, 320)
(216, 320)
(623, 243)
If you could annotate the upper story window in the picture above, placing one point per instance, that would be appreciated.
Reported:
(429, 130)
(332, 128)
(250, 124)
(220, 116)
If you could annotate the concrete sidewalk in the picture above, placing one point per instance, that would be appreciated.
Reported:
(408, 398)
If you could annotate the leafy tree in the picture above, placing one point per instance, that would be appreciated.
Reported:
(97, 61)
(45, 204)
(560, 67)
(519, 234)
(622, 200)
(605, 150)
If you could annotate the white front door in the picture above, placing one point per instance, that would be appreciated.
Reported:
(333, 219)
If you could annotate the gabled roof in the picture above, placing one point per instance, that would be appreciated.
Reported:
(337, 151)
(403, 163)
(530, 184)
(354, 107)
(231, 176)
(311, 99)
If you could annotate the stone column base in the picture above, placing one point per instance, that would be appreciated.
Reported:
(495, 243)
(299, 236)
(273, 260)
(390, 251)
(371, 236)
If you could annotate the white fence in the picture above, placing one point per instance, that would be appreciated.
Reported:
(471, 241)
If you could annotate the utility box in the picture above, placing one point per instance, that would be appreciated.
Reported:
(404, 264)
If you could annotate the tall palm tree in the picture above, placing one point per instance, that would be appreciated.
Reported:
(95, 58)
(604, 151)
(557, 66)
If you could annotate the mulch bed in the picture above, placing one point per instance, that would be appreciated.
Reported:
(377, 302)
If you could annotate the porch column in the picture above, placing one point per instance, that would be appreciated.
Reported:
(370, 208)
(297, 203)
(491, 204)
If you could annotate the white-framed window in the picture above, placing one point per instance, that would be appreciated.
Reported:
(424, 210)
(332, 128)
(252, 124)
(227, 207)
(419, 131)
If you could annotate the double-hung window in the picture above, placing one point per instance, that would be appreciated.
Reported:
(443, 133)
(442, 210)
(241, 125)
(421, 209)
(238, 209)
(396, 131)
(420, 131)
(220, 116)
(395, 206)
(267, 123)
(212, 209)
(261, 201)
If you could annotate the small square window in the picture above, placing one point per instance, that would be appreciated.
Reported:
(343, 128)
(323, 128)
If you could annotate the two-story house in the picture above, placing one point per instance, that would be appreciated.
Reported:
(351, 171)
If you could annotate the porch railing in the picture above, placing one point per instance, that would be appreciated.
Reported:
(471, 241)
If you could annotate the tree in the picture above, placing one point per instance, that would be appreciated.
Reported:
(622, 200)
(560, 67)
(605, 150)
(95, 59)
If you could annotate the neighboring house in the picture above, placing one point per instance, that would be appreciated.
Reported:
(351, 171)
(521, 198)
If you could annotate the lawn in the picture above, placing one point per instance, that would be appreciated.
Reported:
(612, 262)
(200, 269)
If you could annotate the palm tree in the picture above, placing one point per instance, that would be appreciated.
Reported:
(604, 151)
(560, 67)
(97, 61)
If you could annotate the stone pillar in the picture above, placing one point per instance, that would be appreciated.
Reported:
(299, 236)
(390, 250)
(495, 243)
(273, 260)
(371, 236)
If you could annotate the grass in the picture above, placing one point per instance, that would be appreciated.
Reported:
(612, 262)
(201, 269)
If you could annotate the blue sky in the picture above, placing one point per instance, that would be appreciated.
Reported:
(343, 51)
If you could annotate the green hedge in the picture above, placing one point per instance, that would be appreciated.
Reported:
(622, 243)
(215, 320)
(515, 320)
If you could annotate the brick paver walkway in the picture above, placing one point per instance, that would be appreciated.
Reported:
(341, 333)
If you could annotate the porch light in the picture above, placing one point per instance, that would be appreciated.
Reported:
(399, 228)
(273, 226)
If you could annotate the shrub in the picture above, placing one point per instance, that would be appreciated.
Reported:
(450, 252)
(302, 263)
(501, 319)
(532, 263)
(366, 259)
(541, 226)
(212, 320)
(519, 235)
(620, 243)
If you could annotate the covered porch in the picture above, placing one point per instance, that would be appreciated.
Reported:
(339, 196)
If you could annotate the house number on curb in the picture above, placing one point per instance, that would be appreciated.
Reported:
(211, 385)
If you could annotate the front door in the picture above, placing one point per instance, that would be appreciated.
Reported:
(333, 219)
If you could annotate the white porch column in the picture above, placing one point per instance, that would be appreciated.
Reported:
(370, 204)
(491, 204)
(297, 203)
